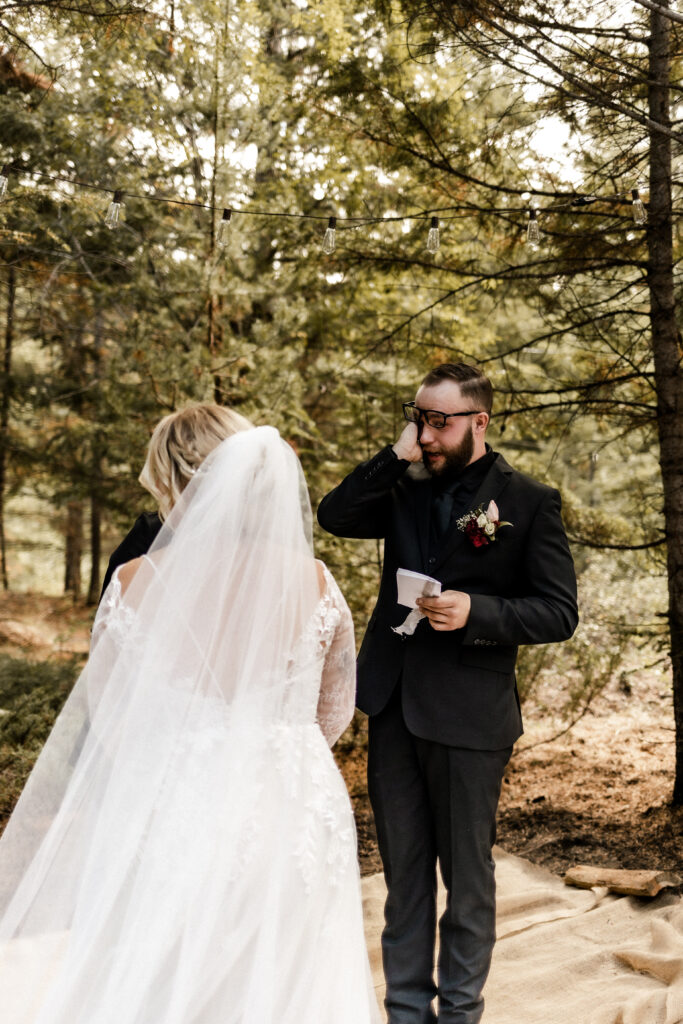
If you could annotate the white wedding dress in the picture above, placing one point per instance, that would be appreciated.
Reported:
(185, 850)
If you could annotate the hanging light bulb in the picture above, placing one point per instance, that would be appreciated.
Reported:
(533, 234)
(112, 217)
(433, 239)
(223, 233)
(330, 236)
(639, 214)
(4, 180)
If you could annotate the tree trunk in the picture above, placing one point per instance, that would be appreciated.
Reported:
(74, 549)
(96, 476)
(215, 301)
(95, 547)
(666, 346)
(4, 413)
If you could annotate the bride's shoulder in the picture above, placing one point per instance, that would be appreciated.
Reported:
(323, 573)
(328, 585)
(127, 571)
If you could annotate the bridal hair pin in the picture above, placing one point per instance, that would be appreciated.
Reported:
(191, 459)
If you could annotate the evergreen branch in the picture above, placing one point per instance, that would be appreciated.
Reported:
(586, 91)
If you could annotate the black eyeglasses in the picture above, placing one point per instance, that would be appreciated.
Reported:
(432, 417)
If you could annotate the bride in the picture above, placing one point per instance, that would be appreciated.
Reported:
(184, 850)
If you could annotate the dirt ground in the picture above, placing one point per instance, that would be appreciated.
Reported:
(37, 626)
(598, 794)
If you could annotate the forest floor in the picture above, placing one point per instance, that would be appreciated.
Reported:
(597, 794)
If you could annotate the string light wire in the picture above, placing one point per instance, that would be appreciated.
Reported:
(575, 201)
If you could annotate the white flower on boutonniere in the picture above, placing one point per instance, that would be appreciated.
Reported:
(482, 526)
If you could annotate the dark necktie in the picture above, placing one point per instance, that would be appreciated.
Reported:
(442, 508)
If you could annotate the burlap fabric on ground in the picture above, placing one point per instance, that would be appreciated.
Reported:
(568, 956)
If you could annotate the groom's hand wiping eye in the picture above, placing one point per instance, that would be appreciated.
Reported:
(450, 610)
(407, 447)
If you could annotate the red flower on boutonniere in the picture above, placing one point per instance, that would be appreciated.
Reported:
(482, 526)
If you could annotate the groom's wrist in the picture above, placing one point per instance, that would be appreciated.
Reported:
(385, 466)
(398, 457)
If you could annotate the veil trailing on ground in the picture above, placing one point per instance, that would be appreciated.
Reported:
(151, 808)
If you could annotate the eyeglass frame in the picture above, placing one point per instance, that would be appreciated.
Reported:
(423, 412)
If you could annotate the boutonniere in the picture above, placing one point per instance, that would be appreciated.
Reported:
(482, 526)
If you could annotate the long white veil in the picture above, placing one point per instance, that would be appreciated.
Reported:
(149, 808)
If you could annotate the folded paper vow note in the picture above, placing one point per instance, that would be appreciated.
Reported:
(410, 586)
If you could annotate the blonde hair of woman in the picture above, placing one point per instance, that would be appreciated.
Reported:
(179, 444)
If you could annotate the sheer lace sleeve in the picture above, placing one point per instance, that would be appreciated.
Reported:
(115, 618)
(111, 602)
(338, 684)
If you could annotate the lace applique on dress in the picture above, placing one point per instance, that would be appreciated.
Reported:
(336, 699)
(114, 617)
(327, 841)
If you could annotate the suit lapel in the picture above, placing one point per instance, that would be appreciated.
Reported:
(491, 487)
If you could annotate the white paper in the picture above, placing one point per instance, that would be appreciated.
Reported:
(412, 585)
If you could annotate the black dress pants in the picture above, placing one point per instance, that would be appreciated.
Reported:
(434, 803)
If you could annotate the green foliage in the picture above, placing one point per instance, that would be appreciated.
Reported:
(622, 633)
(15, 766)
(31, 696)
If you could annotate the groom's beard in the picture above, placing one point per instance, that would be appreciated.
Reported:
(454, 460)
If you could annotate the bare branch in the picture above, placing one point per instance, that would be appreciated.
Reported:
(666, 12)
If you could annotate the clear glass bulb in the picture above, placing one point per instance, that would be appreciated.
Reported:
(533, 233)
(433, 238)
(4, 181)
(223, 233)
(330, 237)
(114, 211)
(639, 213)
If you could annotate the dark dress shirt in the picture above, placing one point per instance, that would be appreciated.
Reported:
(453, 495)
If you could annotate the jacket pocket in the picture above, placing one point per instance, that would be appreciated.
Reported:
(495, 659)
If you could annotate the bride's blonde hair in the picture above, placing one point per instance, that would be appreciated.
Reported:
(178, 446)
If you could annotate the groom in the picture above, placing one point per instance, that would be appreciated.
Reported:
(443, 704)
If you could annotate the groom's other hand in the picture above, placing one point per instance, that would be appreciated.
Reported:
(450, 610)
(408, 445)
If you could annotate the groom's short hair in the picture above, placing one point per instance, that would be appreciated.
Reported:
(472, 381)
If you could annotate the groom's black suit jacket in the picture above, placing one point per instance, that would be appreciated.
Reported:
(458, 687)
(137, 542)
